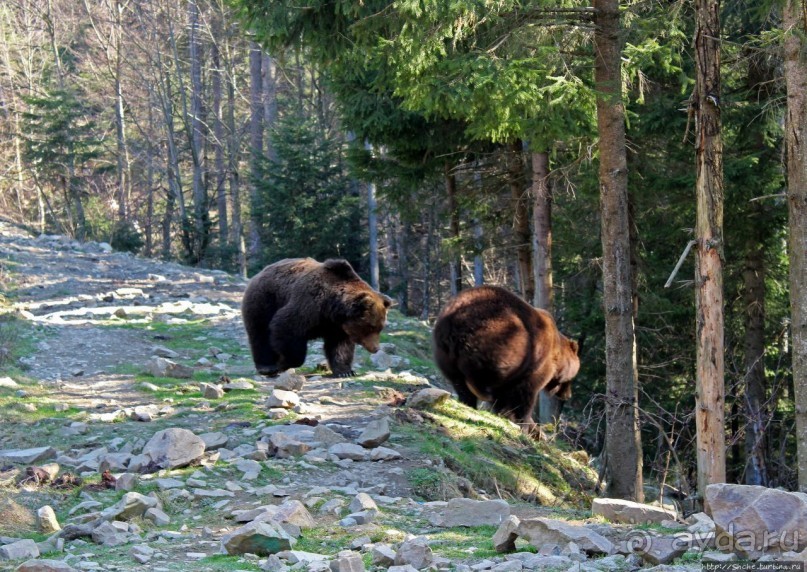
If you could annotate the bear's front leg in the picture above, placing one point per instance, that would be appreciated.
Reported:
(339, 353)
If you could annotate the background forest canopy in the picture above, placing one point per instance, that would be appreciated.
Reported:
(435, 145)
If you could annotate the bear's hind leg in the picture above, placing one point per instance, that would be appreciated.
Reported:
(517, 403)
(339, 353)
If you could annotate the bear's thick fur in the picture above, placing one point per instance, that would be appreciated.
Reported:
(299, 299)
(493, 346)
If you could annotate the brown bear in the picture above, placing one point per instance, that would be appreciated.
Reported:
(493, 346)
(299, 299)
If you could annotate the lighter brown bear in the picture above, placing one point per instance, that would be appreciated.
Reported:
(299, 299)
(492, 346)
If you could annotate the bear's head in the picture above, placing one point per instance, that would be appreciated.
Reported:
(366, 319)
(568, 365)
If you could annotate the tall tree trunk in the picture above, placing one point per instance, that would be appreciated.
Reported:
(200, 210)
(429, 216)
(218, 138)
(269, 73)
(756, 472)
(123, 163)
(548, 405)
(402, 248)
(372, 223)
(709, 378)
(479, 262)
(233, 154)
(622, 441)
(521, 221)
(455, 263)
(256, 143)
(795, 26)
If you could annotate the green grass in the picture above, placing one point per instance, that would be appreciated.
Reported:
(459, 543)
(496, 456)
(222, 563)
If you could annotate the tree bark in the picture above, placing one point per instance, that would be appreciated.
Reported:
(218, 136)
(709, 379)
(548, 405)
(795, 26)
(200, 211)
(256, 143)
(756, 472)
(521, 221)
(269, 73)
(233, 156)
(372, 224)
(623, 441)
(455, 262)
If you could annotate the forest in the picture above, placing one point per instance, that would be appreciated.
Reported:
(637, 167)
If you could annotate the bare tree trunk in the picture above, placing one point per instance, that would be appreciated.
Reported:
(709, 379)
(623, 442)
(123, 163)
(402, 248)
(795, 26)
(521, 221)
(200, 210)
(269, 72)
(548, 405)
(372, 223)
(218, 137)
(479, 262)
(233, 153)
(756, 471)
(427, 264)
(455, 263)
(256, 143)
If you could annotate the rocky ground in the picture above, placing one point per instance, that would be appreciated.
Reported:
(135, 435)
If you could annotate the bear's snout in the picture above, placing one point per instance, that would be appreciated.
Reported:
(371, 346)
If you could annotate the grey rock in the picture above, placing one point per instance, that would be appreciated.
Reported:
(19, 550)
(282, 398)
(289, 381)
(131, 505)
(382, 555)
(415, 552)
(327, 436)
(157, 516)
(8, 383)
(165, 484)
(376, 432)
(469, 512)
(384, 454)
(46, 520)
(333, 506)
(106, 534)
(211, 390)
(126, 482)
(27, 456)
(261, 538)
(175, 447)
(347, 561)
(540, 531)
(163, 367)
(41, 565)
(362, 501)
(629, 512)
(285, 446)
(661, 549)
(163, 352)
(745, 517)
(428, 397)
(142, 553)
(504, 540)
(348, 451)
(402, 568)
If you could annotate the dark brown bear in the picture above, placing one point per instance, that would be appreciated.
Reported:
(493, 346)
(299, 299)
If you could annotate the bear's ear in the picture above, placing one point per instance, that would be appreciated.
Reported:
(341, 268)
(387, 300)
(575, 346)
